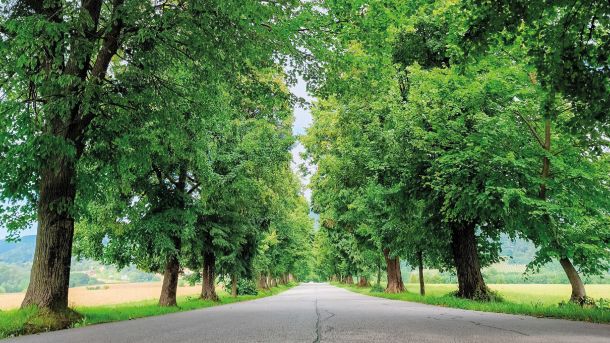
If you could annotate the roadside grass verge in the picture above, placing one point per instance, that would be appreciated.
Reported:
(29, 320)
(533, 308)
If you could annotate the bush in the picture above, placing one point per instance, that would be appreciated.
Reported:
(244, 287)
(377, 288)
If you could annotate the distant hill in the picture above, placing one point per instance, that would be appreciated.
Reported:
(518, 251)
(16, 260)
(18, 252)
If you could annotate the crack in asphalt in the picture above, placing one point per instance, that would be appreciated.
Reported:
(318, 336)
(498, 328)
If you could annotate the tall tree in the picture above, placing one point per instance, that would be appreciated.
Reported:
(59, 80)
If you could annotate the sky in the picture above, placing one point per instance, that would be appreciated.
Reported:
(302, 121)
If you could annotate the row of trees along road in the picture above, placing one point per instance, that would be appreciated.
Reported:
(154, 133)
(442, 124)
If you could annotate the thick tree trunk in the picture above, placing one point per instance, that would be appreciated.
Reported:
(420, 260)
(466, 259)
(395, 284)
(363, 282)
(170, 282)
(262, 282)
(349, 280)
(50, 274)
(234, 285)
(579, 294)
(208, 287)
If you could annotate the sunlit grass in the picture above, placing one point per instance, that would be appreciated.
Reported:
(546, 294)
(15, 322)
(526, 299)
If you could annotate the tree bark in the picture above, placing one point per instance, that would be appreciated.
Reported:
(349, 280)
(579, 295)
(395, 284)
(170, 282)
(50, 274)
(234, 285)
(466, 259)
(208, 287)
(262, 282)
(420, 260)
(379, 273)
(363, 282)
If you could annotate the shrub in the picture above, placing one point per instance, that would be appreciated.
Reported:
(244, 287)
(377, 288)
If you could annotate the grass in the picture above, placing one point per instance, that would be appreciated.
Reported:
(517, 299)
(30, 320)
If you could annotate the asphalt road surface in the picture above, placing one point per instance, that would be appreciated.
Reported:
(323, 313)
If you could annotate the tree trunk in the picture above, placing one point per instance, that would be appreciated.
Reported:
(234, 285)
(420, 260)
(579, 295)
(50, 274)
(395, 284)
(349, 280)
(466, 258)
(378, 273)
(170, 282)
(363, 282)
(208, 287)
(262, 282)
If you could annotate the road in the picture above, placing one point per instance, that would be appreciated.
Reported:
(323, 313)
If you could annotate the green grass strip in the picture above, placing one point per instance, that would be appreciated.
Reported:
(17, 322)
(565, 311)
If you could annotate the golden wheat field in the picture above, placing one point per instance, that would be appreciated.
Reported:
(107, 294)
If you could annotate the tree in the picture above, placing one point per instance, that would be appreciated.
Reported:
(59, 80)
(567, 44)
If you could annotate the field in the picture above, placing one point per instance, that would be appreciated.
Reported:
(525, 299)
(17, 322)
(523, 293)
(108, 294)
